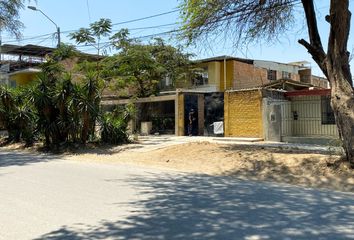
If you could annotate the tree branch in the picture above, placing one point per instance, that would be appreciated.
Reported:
(315, 39)
(317, 54)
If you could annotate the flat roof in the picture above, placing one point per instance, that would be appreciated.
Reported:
(314, 92)
(222, 58)
(27, 50)
(37, 51)
(27, 70)
(287, 81)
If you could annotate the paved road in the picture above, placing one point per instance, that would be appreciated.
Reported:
(42, 197)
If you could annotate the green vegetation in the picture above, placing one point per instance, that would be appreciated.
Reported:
(250, 21)
(57, 109)
(63, 105)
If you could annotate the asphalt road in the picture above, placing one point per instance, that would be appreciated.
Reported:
(43, 197)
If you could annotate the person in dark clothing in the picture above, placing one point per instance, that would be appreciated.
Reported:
(191, 122)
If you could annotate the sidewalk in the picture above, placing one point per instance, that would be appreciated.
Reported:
(153, 142)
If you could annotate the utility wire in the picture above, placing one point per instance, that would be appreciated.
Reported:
(88, 10)
(30, 38)
(133, 20)
(144, 18)
(114, 24)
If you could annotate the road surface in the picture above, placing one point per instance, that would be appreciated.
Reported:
(44, 197)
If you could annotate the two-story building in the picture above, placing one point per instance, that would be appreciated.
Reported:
(20, 64)
(227, 90)
(225, 73)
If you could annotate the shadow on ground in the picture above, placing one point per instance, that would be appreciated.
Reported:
(201, 207)
(18, 158)
(278, 149)
(258, 163)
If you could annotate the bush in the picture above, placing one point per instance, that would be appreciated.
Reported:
(114, 128)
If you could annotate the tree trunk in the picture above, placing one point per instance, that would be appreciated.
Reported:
(337, 63)
(335, 66)
(342, 102)
(85, 127)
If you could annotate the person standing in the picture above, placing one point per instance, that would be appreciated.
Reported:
(191, 122)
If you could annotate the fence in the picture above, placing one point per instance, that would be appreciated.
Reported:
(308, 116)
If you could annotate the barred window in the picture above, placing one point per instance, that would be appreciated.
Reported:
(286, 75)
(327, 116)
(201, 77)
(272, 75)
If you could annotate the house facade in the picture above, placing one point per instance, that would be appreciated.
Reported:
(226, 73)
(248, 97)
(20, 64)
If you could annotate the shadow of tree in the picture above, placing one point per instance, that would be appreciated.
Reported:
(19, 158)
(202, 207)
(275, 149)
(258, 163)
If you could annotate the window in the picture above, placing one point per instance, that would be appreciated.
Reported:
(12, 83)
(201, 77)
(272, 75)
(286, 75)
(168, 81)
(327, 116)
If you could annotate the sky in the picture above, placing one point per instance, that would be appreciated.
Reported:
(70, 15)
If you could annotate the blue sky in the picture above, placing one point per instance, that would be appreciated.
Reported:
(73, 14)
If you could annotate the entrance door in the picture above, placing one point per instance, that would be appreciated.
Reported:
(191, 102)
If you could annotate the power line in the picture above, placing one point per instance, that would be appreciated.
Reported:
(144, 18)
(136, 38)
(88, 10)
(114, 24)
(156, 26)
(134, 20)
(29, 38)
(131, 29)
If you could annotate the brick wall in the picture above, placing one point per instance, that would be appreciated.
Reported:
(247, 76)
(243, 114)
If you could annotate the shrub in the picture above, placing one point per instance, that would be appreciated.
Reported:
(114, 128)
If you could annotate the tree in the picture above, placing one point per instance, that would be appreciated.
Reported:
(93, 34)
(141, 67)
(251, 20)
(9, 17)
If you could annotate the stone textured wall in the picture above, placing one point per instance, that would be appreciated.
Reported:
(243, 114)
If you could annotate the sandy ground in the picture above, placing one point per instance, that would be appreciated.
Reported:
(296, 167)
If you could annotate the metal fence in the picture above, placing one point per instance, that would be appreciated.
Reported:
(307, 116)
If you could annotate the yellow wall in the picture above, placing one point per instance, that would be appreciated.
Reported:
(23, 78)
(243, 114)
(216, 73)
(180, 114)
(229, 74)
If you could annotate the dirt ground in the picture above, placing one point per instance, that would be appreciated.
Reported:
(296, 167)
(276, 164)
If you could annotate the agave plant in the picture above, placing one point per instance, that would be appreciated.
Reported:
(17, 114)
(90, 105)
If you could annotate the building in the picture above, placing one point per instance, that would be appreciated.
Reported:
(225, 73)
(20, 64)
(227, 90)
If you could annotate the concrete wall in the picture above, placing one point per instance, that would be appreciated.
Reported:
(276, 66)
(243, 114)
(273, 114)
